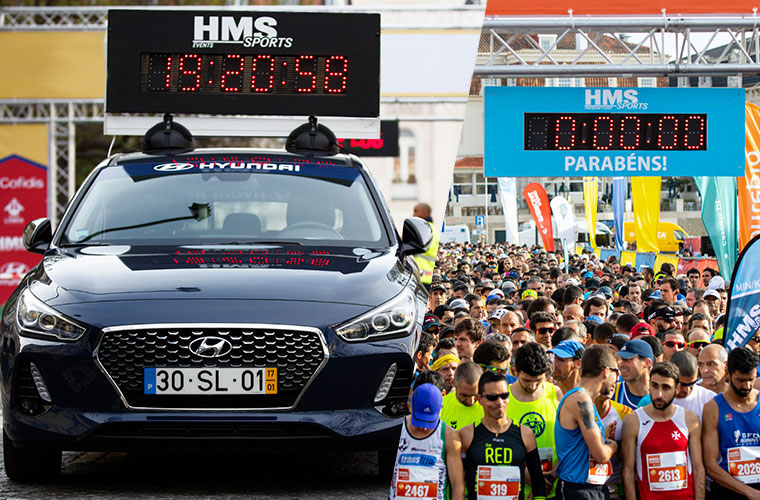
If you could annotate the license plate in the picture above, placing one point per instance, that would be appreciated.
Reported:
(211, 381)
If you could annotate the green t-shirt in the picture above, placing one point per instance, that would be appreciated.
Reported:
(457, 415)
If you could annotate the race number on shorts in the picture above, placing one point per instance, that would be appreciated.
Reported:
(744, 463)
(498, 482)
(598, 473)
(417, 482)
(667, 471)
(547, 459)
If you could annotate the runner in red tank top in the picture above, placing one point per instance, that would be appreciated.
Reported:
(662, 450)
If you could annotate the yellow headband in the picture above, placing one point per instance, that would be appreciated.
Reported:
(444, 360)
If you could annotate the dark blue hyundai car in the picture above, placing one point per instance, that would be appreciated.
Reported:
(212, 297)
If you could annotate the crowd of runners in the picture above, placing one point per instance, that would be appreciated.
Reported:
(539, 378)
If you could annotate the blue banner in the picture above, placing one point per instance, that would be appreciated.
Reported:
(606, 253)
(619, 190)
(743, 310)
(645, 259)
(610, 132)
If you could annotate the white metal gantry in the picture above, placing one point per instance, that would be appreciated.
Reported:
(703, 45)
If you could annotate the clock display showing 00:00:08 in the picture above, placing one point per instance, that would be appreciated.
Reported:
(258, 74)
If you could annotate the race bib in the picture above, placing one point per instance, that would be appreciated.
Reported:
(598, 473)
(744, 463)
(417, 482)
(667, 471)
(547, 459)
(498, 482)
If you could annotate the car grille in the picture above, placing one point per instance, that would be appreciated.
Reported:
(297, 355)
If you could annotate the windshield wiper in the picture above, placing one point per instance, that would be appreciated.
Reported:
(85, 244)
(199, 211)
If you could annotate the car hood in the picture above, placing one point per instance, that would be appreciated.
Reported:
(360, 277)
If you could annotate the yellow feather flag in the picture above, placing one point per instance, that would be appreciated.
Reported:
(590, 200)
(646, 211)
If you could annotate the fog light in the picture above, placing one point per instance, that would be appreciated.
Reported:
(385, 385)
(39, 383)
(30, 407)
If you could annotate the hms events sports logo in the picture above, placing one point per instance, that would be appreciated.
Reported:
(246, 31)
(613, 99)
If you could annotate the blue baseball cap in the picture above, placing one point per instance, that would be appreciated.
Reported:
(595, 319)
(427, 401)
(429, 322)
(636, 347)
(568, 349)
(606, 291)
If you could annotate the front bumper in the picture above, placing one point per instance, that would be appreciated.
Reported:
(72, 430)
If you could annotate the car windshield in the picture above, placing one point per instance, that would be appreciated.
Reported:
(211, 202)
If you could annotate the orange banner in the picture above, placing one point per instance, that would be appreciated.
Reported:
(749, 185)
(685, 264)
(594, 7)
(538, 202)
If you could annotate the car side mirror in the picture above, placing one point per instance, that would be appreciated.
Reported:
(37, 235)
(416, 237)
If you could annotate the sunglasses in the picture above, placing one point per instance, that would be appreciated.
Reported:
(687, 384)
(671, 344)
(494, 397)
(698, 344)
(544, 331)
(616, 370)
(756, 338)
(500, 371)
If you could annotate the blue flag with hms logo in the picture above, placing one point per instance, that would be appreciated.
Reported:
(743, 310)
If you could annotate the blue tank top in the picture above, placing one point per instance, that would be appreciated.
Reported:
(736, 429)
(572, 451)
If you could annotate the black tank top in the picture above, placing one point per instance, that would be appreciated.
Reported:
(488, 449)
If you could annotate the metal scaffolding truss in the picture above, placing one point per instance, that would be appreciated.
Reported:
(61, 116)
(394, 16)
(58, 18)
(732, 46)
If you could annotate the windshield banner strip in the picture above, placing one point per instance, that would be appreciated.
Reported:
(243, 166)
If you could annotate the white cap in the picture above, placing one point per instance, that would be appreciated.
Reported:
(716, 283)
(711, 293)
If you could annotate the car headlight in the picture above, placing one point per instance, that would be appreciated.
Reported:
(394, 317)
(39, 320)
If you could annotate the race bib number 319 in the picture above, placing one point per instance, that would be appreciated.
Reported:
(498, 482)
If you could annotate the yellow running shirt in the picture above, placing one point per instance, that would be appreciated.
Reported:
(540, 416)
(457, 415)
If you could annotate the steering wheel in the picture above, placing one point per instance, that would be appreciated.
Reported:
(309, 224)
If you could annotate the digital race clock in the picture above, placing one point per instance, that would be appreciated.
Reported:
(621, 132)
(243, 63)
(544, 131)
(240, 74)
